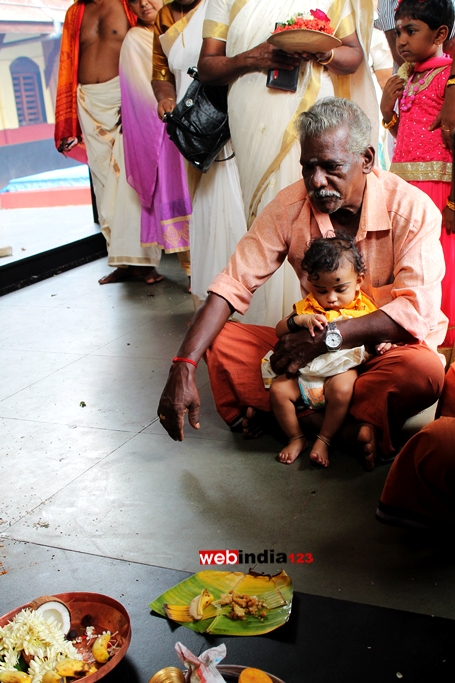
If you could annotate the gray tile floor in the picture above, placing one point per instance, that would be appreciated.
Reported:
(85, 466)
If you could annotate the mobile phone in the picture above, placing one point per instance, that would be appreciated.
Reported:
(282, 79)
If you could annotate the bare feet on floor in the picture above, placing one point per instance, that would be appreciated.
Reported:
(153, 276)
(293, 449)
(150, 275)
(251, 424)
(366, 438)
(320, 452)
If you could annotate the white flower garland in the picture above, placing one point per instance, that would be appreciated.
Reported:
(37, 637)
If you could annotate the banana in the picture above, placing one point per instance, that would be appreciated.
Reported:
(75, 668)
(199, 603)
(14, 676)
(52, 677)
(99, 649)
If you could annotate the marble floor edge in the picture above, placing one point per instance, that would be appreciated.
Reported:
(6, 537)
(113, 558)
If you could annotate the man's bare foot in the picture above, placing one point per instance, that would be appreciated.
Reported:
(132, 273)
(251, 424)
(293, 449)
(117, 275)
(320, 452)
(366, 439)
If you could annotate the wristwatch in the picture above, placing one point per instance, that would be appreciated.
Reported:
(333, 338)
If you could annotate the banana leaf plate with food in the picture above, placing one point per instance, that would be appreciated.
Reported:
(228, 603)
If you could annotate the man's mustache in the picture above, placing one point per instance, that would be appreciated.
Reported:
(323, 194)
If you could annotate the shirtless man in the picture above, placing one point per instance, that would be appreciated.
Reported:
(92, 38)
(104, 27)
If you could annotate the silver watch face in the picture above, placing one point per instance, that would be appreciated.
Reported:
(333, 340)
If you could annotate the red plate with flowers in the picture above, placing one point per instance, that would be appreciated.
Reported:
(101, 613)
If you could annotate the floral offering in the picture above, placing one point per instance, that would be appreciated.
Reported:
(42, 641)
(317, 20)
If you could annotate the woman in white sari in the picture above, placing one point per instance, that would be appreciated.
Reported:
(262, 120)
(218, 221)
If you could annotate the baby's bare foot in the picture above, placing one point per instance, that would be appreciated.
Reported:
(320, 451)
(292, 451)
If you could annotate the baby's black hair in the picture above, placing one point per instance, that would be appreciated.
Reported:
(434, 13)
(325, 254)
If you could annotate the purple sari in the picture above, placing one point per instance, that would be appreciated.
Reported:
(154, 166)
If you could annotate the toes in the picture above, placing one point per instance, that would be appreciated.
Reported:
(369, 462)
(250, 413)
(367, 438)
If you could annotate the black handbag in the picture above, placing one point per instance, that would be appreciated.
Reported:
(199, 125)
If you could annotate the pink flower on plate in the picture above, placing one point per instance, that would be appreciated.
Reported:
(319, 14)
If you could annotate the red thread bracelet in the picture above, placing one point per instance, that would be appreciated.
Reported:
(176, 359)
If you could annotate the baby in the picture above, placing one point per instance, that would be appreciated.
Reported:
(335, 270)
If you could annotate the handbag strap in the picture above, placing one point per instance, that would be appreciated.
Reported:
(231, 156)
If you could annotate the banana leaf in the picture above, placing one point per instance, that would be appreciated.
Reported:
(276, 591)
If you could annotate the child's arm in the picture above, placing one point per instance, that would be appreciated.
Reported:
(309, 320)
(392, 90)
(448, 214)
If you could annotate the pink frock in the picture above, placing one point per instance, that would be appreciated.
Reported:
(422, 160)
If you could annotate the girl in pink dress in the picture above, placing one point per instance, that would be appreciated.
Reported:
(420, 157)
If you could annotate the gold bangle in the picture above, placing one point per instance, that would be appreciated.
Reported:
(328, 60)
(450, 204)
(391, 123)
(450, 81)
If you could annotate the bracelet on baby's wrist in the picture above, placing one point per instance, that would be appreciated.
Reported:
(292, 325)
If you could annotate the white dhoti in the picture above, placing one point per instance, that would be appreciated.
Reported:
(119, 207)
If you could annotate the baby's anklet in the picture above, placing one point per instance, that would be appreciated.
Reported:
(294, 438)
(324, 439)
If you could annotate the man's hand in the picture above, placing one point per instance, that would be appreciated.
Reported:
(294, 351)
(448, 221)
(180, 396)
(66, 144)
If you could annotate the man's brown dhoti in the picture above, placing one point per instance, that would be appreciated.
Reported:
(420, 488)
(118, 204)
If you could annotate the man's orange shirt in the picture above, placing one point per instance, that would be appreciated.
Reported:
(398, 236)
